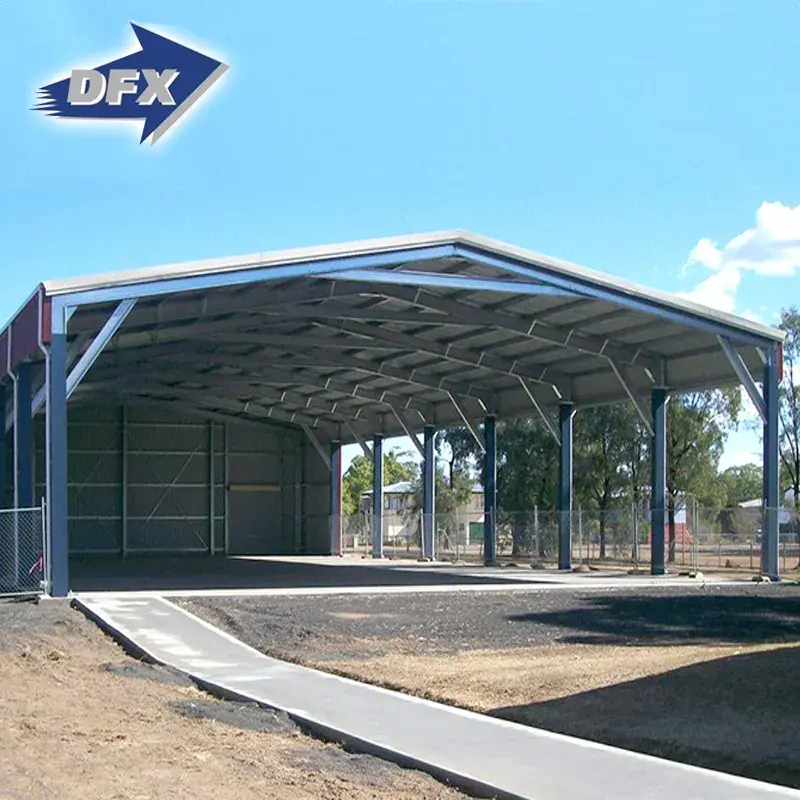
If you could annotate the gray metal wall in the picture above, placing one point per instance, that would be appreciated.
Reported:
(140, 481)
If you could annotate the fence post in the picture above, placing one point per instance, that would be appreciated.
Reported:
(580, 536)
(635, 531)
(536, 549)
(45, 586)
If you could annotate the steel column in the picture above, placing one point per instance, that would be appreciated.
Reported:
(658, 493)
(429, 493)
(57, 455)
(377, 496)
(490, 492)
(772, 498)
(336, 498)
(23, 439)
(566, 412)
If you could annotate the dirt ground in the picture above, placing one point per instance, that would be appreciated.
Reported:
(701, 675)
(82, 720)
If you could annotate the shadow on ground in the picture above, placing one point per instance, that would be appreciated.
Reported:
(202, 572)
(737, 714)
(676, 619)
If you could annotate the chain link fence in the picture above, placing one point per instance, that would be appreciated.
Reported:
(22, 552)
(699, 538)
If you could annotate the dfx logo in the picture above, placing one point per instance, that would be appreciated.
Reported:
(158, 84)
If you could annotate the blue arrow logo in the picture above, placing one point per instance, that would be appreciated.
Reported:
(158, 84)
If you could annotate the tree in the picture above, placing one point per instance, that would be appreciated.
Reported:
(600, 438)
(398, 465)
(741, 483)
(527, 474)
(635, 464)
(789, 396)
(462, 449)
(697, 426)
(450, 496)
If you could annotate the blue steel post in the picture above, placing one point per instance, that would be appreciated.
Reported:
(769, 536)
(490, 493)
(566, 412)
(23, 438)
(658, 493)
(57, 453)
(336, 498)
(377, 496)
(429, 493)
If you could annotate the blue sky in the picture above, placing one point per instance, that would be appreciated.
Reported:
(650, 140)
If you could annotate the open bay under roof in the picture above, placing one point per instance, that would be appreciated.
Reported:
(384, 335)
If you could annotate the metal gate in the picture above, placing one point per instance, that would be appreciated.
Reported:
(23, 534)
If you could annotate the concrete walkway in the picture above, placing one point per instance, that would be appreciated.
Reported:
(476, 752)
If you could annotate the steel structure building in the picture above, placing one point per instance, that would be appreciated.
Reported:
(207, 402)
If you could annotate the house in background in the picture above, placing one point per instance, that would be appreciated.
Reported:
(401, 520)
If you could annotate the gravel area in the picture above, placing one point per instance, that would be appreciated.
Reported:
(700, 674)
(354, 626)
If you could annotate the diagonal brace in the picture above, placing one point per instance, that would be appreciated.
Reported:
(645, 416)
(545, 419)
(746, 379)
(99, 343)
(467, 424)
(317, 446)
(414, 440)
(365, 448)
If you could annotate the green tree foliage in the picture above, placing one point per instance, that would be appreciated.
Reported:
(457, 446)
(740, 483)
(697, 426)
(398, 465)
(601, 435)
(527, 474)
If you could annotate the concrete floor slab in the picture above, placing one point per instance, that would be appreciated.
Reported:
(475, 751)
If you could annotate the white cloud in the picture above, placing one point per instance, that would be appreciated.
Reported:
(718, 290)
(770, 249)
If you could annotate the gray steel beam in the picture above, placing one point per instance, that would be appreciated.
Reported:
(336, 498)
(746, 379)
(266, 376)
(623, 298)
(490, 492)
(250, 407)
(57, 454)
(429, 494)
(263, 338)
(215, 307)
(365, 448)
(772, 498)
(377, 496)
(540, 411)
(468, 424)
(459, 355)
(308, 359)
(244, 275)
(317, 446)
(643, 415)
(412, 436)
(566, 413)
(457, 312)
(98, 344)
(658, 501)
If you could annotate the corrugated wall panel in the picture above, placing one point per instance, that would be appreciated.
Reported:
(167, 475)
